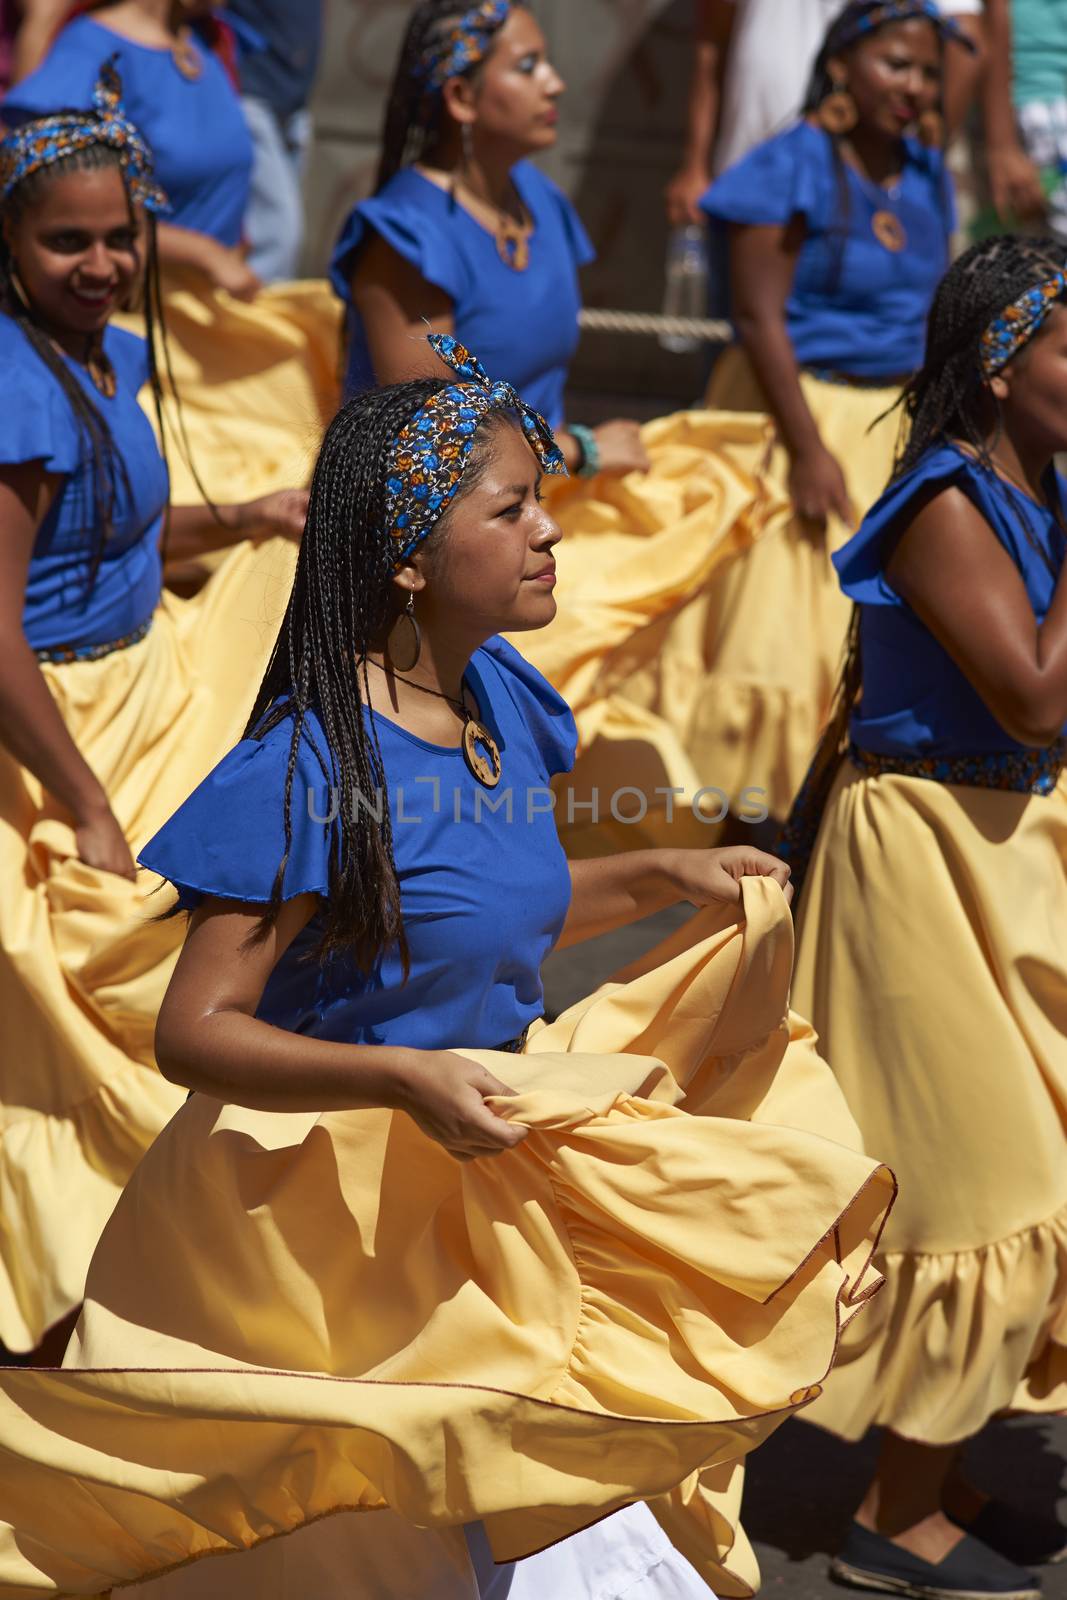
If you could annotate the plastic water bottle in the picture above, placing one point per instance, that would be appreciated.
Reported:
(686, 291)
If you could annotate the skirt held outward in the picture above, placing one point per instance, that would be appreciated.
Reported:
(296, 1317)
(84, 962)
(932, 961)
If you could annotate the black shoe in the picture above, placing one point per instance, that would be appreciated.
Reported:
(971, 1571)
(1019, 1535)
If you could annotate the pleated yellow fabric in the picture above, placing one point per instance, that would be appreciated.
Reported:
(83, 962)
(931, 958)
(636, 553)
(258, 384)
(293, 1315)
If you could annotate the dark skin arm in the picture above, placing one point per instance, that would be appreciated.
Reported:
(960, 581)
(763, 262)
(196, 530)
(31, 727)
(714, 25)
(208, 1038)
(614, 891)
(1014, 181)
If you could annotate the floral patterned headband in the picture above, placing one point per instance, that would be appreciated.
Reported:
(887, 11)
(463, 45)
(431, 452)
(1017, 323)
(43, 141)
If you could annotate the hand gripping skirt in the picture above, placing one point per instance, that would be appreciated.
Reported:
(933, 962)
(83, 961)
(290, 1316)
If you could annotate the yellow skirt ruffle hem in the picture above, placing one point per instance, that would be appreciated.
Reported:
(932, 961)
(294, 1316)
(83, 961)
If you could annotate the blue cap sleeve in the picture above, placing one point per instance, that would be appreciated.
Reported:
(778, 180)
(862, 561)
(228, 839)
(39, 425)
(129, 357)
(415, 231)
(544, 711)
(66, 78)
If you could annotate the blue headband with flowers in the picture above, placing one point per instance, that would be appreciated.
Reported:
(886, 11)
(1017, 323)
(432, 451)
(44, 141)
(465, 43)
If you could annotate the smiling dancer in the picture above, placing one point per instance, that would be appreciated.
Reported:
(113, 703)
(408, 1254)
(931, 951)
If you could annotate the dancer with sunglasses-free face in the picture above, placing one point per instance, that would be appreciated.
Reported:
(463, 233)
(95, 748)
(375, 878)
(838, 231)
(931, 951)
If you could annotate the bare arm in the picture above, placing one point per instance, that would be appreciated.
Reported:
(31, 727)
(964, 70)
(209, 1039)
(1014, 181)
(956, 575)
(613, 891)
(41, 21)
(763, 262)
(224, 267)
(196, 530)
(714, 25)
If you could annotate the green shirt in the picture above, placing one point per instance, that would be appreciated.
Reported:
(1039, 33)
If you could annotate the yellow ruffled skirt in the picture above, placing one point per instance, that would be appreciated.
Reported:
(83, 962)
(298, 1317)
(931, 958)
(258, 382)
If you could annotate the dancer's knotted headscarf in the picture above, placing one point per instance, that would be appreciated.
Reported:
(44, 141)
(464, 44)
(431, 451)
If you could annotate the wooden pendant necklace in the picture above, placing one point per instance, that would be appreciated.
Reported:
(186, 56)
(885, 223)
(480, 750)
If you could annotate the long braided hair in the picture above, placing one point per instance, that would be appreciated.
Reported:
(107, 468)
(413, 119)
(839, 40)
(948, 398)
(342, 603)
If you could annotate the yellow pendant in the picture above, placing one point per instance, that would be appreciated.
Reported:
(889, 231)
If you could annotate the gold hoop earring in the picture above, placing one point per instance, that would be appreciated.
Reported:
(838, 113)
(18, 291)
(931, 130)
(405, 631)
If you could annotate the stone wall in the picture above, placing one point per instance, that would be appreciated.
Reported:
(626, 64)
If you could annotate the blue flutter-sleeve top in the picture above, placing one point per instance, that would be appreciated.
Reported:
(37, 424)
(484, 883)
(523, 326)
(915, 699)
(195, 126)
(855, 307)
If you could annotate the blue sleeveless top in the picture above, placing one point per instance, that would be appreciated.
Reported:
(38, 425)
(855, 307)
(523, 326)
(484, 883)
(197, 130)
(916, 701)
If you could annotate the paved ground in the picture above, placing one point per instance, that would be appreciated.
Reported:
(803, 1484)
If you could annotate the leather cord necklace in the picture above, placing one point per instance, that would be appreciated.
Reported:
(480, 750)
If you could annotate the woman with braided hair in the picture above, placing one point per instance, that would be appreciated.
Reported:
(931, 952)
(414, 1277)
(838, 230)
(113, 701)
(463, 234)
